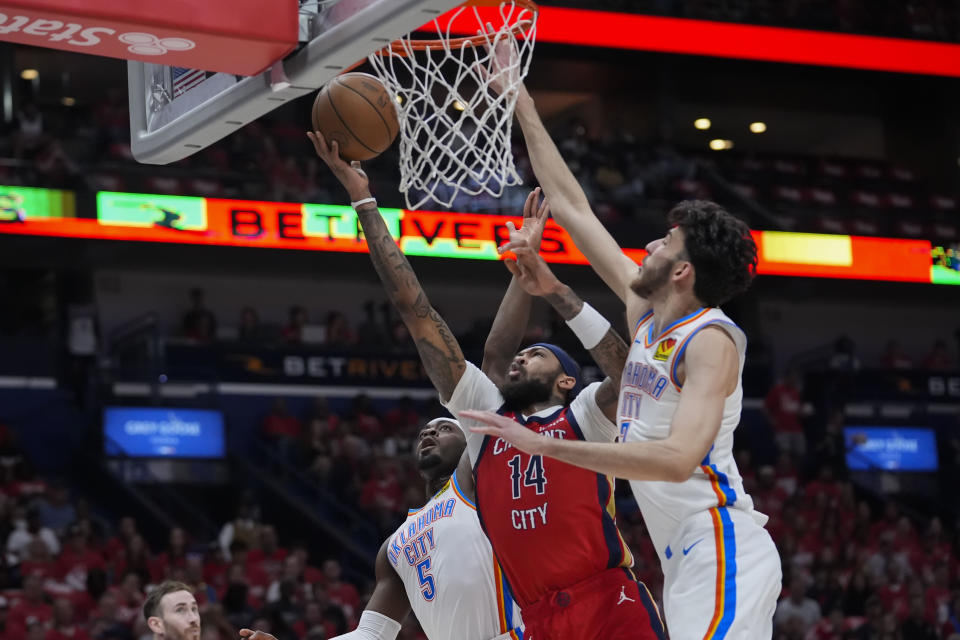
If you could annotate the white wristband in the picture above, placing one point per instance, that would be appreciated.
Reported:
(373, 626)
(589, 326)
(364, 201)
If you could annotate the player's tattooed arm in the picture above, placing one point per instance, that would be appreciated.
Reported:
(439, 350)
(512, 317)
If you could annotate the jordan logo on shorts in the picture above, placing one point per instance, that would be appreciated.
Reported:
(624, 597)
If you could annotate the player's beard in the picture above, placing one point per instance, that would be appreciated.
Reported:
(520, 394)
(651, 279)
(187, 634)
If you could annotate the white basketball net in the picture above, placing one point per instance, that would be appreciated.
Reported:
(454, 127)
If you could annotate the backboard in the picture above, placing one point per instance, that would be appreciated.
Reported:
(175, 112)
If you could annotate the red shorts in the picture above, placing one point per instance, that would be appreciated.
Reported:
(608, 606)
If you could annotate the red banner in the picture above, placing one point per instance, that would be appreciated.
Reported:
(235, 36)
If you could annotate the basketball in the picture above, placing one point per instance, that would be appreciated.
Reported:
(357, 112)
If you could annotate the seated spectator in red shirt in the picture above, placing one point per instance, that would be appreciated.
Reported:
(339, 335)
(78, 558)
(829, 628)
(282, 430)
(175, 555)
(107, 621)
(31, 609)
(243, 571)
(365, 420)
(403, 417)
(888, 522)
(64, 626)
(311, 575)
(825, 484)
(382, 493)
(116, 545)
(938, 358)
(136, 557)
(129, 594)
(270, 555)
(783, 407)
(312, 619)
(39, 561)
(338, 591)
(236, 607)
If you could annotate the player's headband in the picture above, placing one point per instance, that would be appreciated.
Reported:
(568, 364)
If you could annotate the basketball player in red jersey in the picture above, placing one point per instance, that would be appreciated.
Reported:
(552, 525)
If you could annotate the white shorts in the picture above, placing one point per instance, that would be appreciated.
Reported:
(721, 578)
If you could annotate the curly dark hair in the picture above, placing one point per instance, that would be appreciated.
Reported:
(720, 247)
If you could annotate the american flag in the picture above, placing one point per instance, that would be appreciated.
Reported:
(184, 79)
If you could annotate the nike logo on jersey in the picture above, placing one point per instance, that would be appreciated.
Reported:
(686, 550)
(624, 597)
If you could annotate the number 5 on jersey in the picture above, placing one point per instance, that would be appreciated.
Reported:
(427, 586)
(534, 475)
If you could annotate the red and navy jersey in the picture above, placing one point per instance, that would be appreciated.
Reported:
(551, 524)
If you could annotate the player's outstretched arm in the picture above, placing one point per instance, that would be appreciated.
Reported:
(712, 368)
(606, 346)
(439, 350)
(513, 315)
(567, 199)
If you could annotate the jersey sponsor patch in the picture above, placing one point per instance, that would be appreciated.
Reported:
(664, 349)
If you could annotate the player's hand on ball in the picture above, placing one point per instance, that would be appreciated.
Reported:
(250, 634)
(510, 430)
(351, 176)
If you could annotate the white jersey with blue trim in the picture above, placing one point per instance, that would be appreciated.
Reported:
(455, 586)
(649, 395)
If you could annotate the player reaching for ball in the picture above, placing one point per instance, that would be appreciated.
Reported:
(680, 399)
(552, 525)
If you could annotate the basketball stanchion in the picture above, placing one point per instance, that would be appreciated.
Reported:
(455, 127)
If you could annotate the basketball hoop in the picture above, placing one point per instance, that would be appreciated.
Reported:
(455, 128)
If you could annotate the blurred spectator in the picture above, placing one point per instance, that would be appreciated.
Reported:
(365, 420)
(269, 556)
(77, 559)
(338, 332)
(283, 612)
(55, 510)
(117, 545)
(297, 320)
(199, 323)
(844, 357)
(29, 132)
(27, 527)
(338, 591)
(403, 417)
(174, 556)
(894, 357)
(783, 407)
(64, 626)
(107, 621)
(32, 608)
(136, 558)
(248, 331)
(938, 358)
(917, 626)
(236, 606)
(245, 527)
(798, 606)
(282, 430)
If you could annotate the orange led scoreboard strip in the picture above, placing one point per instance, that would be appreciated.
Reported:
(319, 227)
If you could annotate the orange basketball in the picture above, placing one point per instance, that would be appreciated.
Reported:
(357, 112)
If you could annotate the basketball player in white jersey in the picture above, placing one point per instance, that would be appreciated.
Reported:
(680, 399)
(438, 563)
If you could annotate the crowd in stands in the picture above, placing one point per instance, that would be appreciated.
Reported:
(855, 566)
